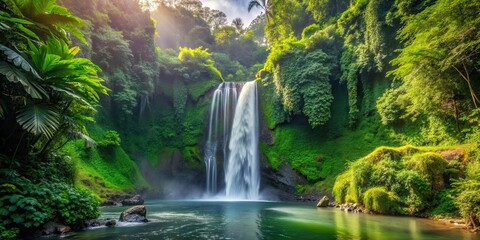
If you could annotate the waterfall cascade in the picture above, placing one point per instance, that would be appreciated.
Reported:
(233, 125)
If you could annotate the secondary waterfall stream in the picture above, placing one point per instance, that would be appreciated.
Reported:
(233, 125)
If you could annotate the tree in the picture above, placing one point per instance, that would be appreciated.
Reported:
(440, 57)
(263, 4)
(237, 23)
(47, 91)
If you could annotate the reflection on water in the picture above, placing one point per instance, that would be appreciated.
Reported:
(265, 220)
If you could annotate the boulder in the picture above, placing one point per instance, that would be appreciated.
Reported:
(134, 214)
(101, 222)
(55, 228)
(323, 202)
(135, 200)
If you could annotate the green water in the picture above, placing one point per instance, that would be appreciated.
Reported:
(265, 220)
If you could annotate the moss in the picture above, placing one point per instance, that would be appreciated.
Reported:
(193, 157)
(379, 200)
(271, 106)
(341, 185)
(199, 88)
(104, 172)
(409, 175)
(300, 145)
(431, 165)
(383, 153)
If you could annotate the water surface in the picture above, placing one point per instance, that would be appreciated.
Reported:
(265, 220)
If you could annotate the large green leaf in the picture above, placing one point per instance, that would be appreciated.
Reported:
(12, 5)
(38, 119)
(14, 75)
(17, 60)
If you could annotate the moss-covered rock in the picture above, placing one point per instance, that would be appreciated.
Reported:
(379, 200)
(430, 165)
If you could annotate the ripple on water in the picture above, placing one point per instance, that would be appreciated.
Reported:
(179, 216)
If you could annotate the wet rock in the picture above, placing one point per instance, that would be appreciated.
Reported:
(323, 202)
(55, 228)
(101, 222)
(110, 203)
(135, 200)
(134, 214)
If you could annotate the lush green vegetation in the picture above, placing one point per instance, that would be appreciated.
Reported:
(409, 180)
(339, 80)
(48, 94)
(370, 73)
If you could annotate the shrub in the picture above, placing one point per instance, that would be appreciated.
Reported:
(384, 173)
(310, 30)
(383, 153)
(27, 206)
(379, 200)
(430, 165)
(468, 195)
(112, 138)
(445, 205)
(340, 187)
(11, 233)
(413, 191)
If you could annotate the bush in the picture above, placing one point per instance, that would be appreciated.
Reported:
(413, 191)
(379, 200)
(340, 187)
(445, 205)
(112, 138)
(27, 206)
(430, 165)
(468, 195)
(383, 153)
(8, 234)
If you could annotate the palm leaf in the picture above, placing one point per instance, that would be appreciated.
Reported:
(12, 5)
(4, 26)
(27, 31)
(14, 75)
(18, 60)
(253, 4)
(7, 18)
(38, 119)
(69, 23)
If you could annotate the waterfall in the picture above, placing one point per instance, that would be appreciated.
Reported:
(242, 175)
(219, 127)
(234, 122)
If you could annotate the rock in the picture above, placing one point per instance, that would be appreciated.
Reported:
(55, 228)
(109, 203)
(323, 202)
(134, 214)
(101, 222)
(135, 200)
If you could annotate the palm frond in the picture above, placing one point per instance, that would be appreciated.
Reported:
(38, 119)
(14, 75)
(17, 60)
(12, 6)
(253, 4)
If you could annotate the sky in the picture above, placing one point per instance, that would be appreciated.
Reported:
(234, 9)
